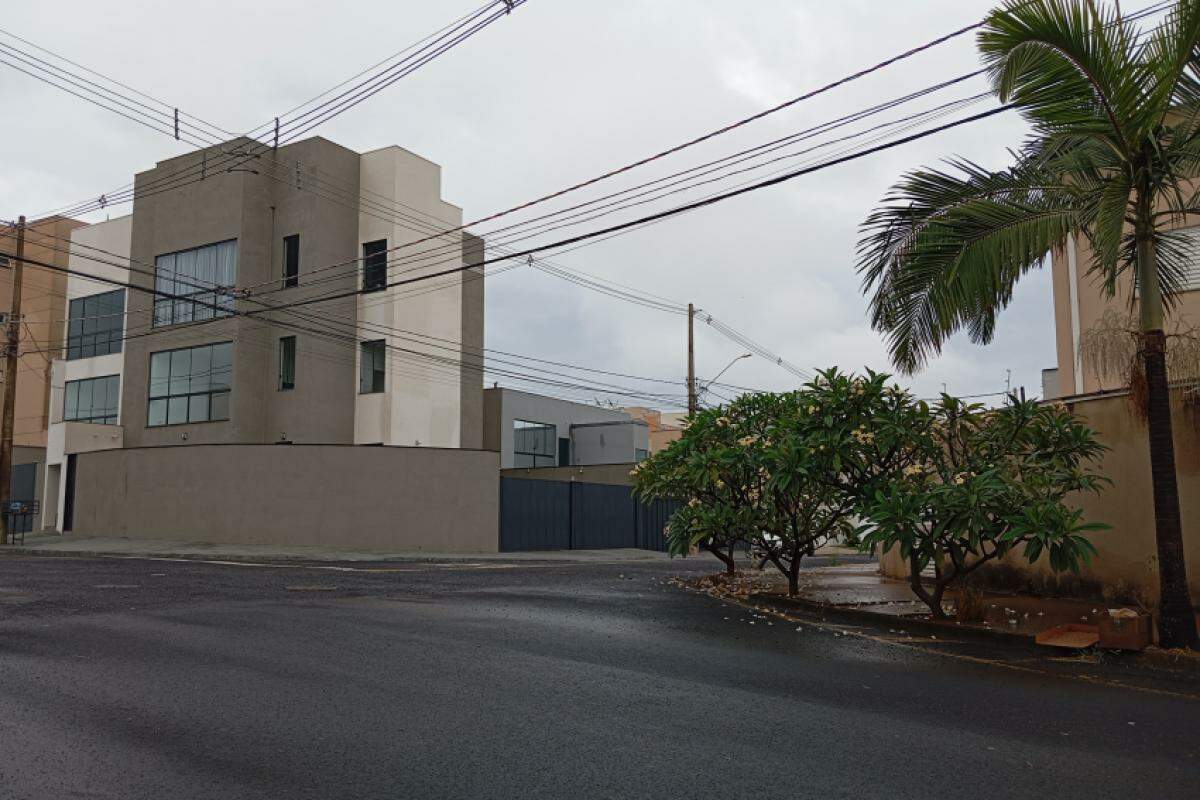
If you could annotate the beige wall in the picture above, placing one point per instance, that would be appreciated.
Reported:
(662, 433)
(611, 474)
(1127, 556)
(43, 307)
(371, 498)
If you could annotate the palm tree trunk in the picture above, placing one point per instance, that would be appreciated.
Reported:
(1177, 618)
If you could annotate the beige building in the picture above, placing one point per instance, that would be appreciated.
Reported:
(375, 365)
(1079, 305)
(42, 306)
(664, 427)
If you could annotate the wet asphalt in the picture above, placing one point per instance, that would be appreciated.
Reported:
(128, 678)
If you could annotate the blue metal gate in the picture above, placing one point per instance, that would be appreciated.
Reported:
(562, 515)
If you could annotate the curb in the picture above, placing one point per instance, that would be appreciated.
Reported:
(279, 558)
(1154, 659)
(875, 619)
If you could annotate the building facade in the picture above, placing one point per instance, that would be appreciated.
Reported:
(42, 332)
(531, 430)
(1080, 305)
(309, 229)
(85, 398)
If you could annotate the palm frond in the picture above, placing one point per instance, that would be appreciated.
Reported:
(946, 249)
(1068, 67)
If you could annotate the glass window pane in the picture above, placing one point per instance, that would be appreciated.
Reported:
(71, 406)
(162, 311)
(201, 371)
(177, 410)
(222, 365)
(158, 413)
(85, 398)
(220, 406)
(160, 372)
(99, 397)
(181, 370)
(114, 395)
(198, 408)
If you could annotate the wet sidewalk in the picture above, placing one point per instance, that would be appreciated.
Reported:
(116, 547)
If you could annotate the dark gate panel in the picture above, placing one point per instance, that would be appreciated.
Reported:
(534, 515)
(602, 517)
(651, 523)
(24, 487)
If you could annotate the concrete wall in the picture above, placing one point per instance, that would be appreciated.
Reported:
(1127, 556)
(371, 498)
(502, 406)
(471, 373)
(42, 309)
(609, 442)
(423, 324)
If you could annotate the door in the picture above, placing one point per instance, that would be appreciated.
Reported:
(69, 495)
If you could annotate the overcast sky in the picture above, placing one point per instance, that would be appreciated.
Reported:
(558, 92)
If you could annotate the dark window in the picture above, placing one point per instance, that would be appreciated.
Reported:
(291, 260)
(564, 452)
(198, 282)
(535, 444)
(372, 366)
(92, 400)
(287, 363)
(374, 266)
(95, 325)
(191, 384)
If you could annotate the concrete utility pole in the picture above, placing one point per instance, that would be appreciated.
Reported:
(691, 387)
(10, 379)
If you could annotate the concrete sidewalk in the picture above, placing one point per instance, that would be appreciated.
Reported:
(115, 547)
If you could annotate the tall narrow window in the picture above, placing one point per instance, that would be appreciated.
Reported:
(371, 369)
(291, 260)
(374, 266)
(287, 363)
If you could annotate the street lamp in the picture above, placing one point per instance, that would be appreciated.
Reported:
(722, 372)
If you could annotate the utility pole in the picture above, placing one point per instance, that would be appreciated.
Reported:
(691, 386)
(10, 380)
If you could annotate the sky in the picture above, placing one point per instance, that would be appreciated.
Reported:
(560, 91)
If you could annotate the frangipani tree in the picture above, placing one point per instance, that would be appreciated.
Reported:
(1113, 158)
(987, 483)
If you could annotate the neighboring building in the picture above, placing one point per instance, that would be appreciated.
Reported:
(41, 322)
(309, 220)
(85, 399)
(1079, 304)
(531, 430)
(664, 428)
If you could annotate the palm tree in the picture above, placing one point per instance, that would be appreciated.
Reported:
(1114, 148)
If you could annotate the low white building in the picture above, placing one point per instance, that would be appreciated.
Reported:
(531, 430)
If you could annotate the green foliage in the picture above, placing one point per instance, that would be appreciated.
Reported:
(984, 483)
(783, 472)
(1116, 118)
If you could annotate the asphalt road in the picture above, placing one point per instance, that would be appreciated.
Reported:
(155, 679)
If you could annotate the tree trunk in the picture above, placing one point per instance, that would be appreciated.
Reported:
(727, 560)
(1176, 618)
(934, 601)
(793, 576)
